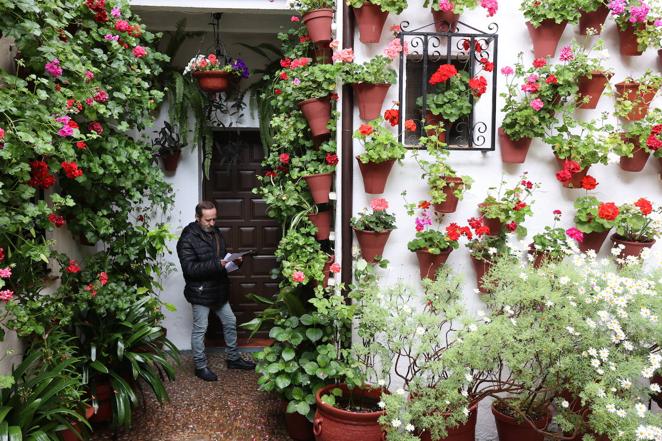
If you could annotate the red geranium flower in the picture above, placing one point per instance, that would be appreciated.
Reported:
(527, 184)
(608, 211)
(304, 38)
(511, 226)
(333, 96)
(644, 205)
(283, 76)
(366, 129)
(90, 288)
(56, 220)
(539, 62)
(331, 158)
(284, 158)
(551, 79)
(2, 254)
(270, 174)
(563, 175)
(71, 169)
(73, 267)
(285, 63)
(654, 141)
(589, 183)
(571, 166)
(80, 145)
(519, 206)
(410, 125)
(278, 91)
(40, 176)
(453, 231)
(443, 73)
(103, 278)
(478, 86)
(424, 205)
(95, 126)
(392, 116)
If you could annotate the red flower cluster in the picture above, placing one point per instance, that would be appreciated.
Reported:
(283, 76)
(270, 174)
(466, 45)
(519, 205)
(331, 158)
(40, 176)
(551, 79)
(654, 140)
(2, 254)
(103, 278)
(410, 125)
(284, 158)
(99, 8)
(101, 96)
(285, 63)
(589, 183)
(56, 220)
(539, 62)
(424, 205)
(478, 86)
(304, 39)
(73, 267)
(527, 184)
(80, 145)
(300, 62)
(445, 72)
(512, 226)
(392, 116)
(488, 66)
(608, 211)
(479, 226)
(644, 206)
(570, 167)
(71, 169)
(277, 91)
(90, 288)
(95, 126)
(454, 232)
(76, 105)
(366, 129)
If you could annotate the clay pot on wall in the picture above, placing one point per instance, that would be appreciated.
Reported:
(576, 180)
(429, 263)
(593, 241)
(513, 152)
(593, 20)
(372, 243)
(318, 23)
(370, 19)
(481, 267)
(630, 248)
(639, 156)
(631, 92)
(320, 186)
(445, 21)
(450, 204)
(375, 175)
(171, 160)
(322, 221)
(317, 112)
(627, 41)
(546, 37)
(370, 98)
(592, 88)
(437, 120)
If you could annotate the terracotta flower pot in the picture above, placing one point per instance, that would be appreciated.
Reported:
(513, 152)
(631, 92)
(576, 180)
(212, 80)
(372, 243)
(333, 424)
(546, 37)
(298, 427)
(450, 204)
(463, 432)
(320, 186)
(510, 429)
(370, 98)
(481, 267)
(593, 241)
(445, 21)
(370, 19)
(429, 263)
(592, 88)
(627, 42)
(317, 112)
(594, 19)
(170, 161)
(318, 23)
(322, 222)
(437, 120)
(495, 225)
(322, 53)
(75, 433)
(104, 396)
(375, 175)
(631, 248)
(539, 256)
(637, 162)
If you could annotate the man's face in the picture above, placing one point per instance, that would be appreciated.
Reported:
(208, 219)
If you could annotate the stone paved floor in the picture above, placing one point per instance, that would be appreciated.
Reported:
(231, 409)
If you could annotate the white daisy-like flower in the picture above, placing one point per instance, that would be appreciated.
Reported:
(592, 352)
(655, 387)
(565, 404)
(409, 427)
(492, 250)
(381, 404)
(628, 346)
(640, 409)
(604, 353)
(564, 280)
(381, 382)
(625, 383)
(610, 408)
(621, 413)
(420, 330)
(396, 423)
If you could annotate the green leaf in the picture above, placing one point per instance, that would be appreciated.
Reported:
(288, 354)
(283, 381)
(314, 334)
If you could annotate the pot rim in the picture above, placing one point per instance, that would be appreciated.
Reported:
(446, 250)
(210, 73)
(317, 10)
(310, 100)
(316, 175)
(366, 163)
(372, 232)
(345, 414)
(508, 419)
(617, 237)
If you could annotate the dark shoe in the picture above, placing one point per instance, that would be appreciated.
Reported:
(240, 363)
(206, 374)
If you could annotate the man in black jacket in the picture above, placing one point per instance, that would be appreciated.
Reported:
(201, 249)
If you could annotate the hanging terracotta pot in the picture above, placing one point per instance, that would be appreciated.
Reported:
(639, 156)
(322, 222)
(322, 53)
(576, 180)
(372, 243)
(320, 186)
(437, 120)
(171, 160)
(375, 175)
(546, 37)
(445, 21)
(593, 20)
(370, 19)
(429, 263)
(592, 88)
(627, 41)
(318, 23)
(539, 256)
(334, 424)
(494, 224)
(450, 204)
(298, 427)
(513, 152)
(212, 81)
(481, 267)
(593, 241)
(631, 248)
(370, 98)
(317, 112)
(631, 92)
(463, 432)
(510, 429)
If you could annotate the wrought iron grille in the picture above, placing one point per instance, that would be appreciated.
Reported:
(465, 47)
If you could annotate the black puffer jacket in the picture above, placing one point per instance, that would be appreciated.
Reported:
(207, 281)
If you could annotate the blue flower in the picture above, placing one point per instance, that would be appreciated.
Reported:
(239, 65)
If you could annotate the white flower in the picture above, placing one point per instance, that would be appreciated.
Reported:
(628, 346)
(396, 423)
(613, 158)
(409, 427)
(591, 324)
(595, 362)
(381, 404)
(571, 330)
(381, 383)
(621, 413)
(420, 330)
(640, 409)
(592, 352)
(549, 303)
(565, 404)
(473, 327)
(625, 383)
(492, 250)
(610, 408)
(400, 391)
(564, 280)
(604, 353)
(655, 387)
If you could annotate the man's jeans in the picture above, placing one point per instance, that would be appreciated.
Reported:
(200, 319)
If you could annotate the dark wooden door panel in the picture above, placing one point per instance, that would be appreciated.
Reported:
(244, 224)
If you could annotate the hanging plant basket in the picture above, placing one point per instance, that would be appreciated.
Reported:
(513, 152)
(450, 204)
(318, 23)
(429, 264)
(546, 37)
(370, 99)
(593, 241)
(592, 88)
(445, 21)
(372, 243)
(212, 81)
(631, 248)
(171, 160)
(630, 91)
(593, 20)
(375, 175)
(639, 156)
(320, 186)
(317, 112)
(627, 42)
(370, 19)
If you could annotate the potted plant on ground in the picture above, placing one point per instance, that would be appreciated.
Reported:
(594, 219)
(373, 229)
(547, 22)
(634, 95)
(507, 211)
(371, 81)
(635, 228)
(446, 13)
(380, 151)
(371, 16)
(638, 142)
(485, 248)
(451, 97)
(168, 146)
(636, 26)
(317, 16)
(554, 243)
(593, 16)
(214, 75)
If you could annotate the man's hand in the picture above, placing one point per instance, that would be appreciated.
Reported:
(239, 260)
(223, 263)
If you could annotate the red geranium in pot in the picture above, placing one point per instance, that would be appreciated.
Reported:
(642, 139)
(507, 210)
(594, 220)
(636, 228)
(485, 249)
(317, 16)
(372, 229)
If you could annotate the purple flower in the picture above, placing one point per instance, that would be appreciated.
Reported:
(575, 234)
(617, 6)
(63, 119)
(239, 64)
(296, 81)
(116, 12)
(537, 104)
(566, 54)
(658, 22)
(53, 68)
(111, 37)
(65, 131)
(639, 14)
(507, 70)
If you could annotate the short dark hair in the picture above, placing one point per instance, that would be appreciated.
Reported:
(204, 205)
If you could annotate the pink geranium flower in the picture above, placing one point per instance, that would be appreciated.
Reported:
(537, 104)
(344, 56)
(294, 19)
(566, 54)
(507, 70)
(335, 268)
(89, 75)
(298, 276)
(116, 12)
(139, 51)
(379, 204)
(103, 278)
(6, 295)
(491, 5)
(53, 68)
(575, 234)
(2, 133)
(5, 273)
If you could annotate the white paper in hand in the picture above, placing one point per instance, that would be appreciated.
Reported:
(231, 266)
